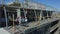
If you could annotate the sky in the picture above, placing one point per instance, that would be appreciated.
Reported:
(53, 3)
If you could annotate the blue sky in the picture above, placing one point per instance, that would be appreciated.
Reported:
(53, 3)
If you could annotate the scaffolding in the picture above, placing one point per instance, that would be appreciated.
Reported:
(32, 14)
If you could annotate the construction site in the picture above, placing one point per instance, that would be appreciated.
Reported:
(28, 18)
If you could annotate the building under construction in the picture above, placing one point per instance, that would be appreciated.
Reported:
(41, 19)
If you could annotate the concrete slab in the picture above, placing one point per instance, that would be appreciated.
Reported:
(2, 31)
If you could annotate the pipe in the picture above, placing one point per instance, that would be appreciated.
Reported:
(5, 16)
